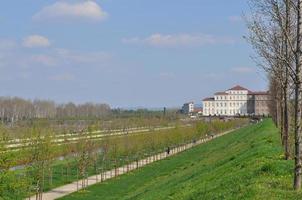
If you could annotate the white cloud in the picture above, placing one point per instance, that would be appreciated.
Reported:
(36, 41)
(72, 56)
(88, 10)
(63, 77)
(179, 40)
(50, 63)
(65, 57)
(242, 70)
(50, 57)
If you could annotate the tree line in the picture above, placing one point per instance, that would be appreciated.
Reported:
(47, 165)
(275, 32)
(13, 109)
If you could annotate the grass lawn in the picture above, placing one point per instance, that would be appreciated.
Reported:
(246, 164)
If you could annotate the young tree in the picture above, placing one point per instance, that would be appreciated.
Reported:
(41, 157)
(12, 184)
(82, 158)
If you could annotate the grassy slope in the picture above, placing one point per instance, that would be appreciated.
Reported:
(246, 164)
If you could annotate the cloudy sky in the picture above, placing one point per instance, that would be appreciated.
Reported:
(126, 53)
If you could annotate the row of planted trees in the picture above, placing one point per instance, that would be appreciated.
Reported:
(21, 129)
(275, 28)
(44, 165)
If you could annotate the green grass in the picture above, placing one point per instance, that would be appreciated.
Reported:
(130, 148)
(246, 164)
(59, 167)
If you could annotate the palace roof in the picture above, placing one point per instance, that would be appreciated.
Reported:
(209, 99)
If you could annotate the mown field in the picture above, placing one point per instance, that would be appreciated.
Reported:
(246, 164)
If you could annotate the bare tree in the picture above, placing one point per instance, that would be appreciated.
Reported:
(298, 99)
(276, 36)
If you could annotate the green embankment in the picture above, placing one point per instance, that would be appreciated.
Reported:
(246, 164)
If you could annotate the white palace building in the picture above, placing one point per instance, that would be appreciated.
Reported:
(237, 101)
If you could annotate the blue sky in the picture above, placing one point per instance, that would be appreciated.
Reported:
(125, 53)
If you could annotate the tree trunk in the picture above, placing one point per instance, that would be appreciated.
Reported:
(281, 117)
(277, 113)
(285, 87)
(285, 124)
(297, 174)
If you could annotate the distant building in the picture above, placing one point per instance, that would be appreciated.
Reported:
(261, 103)
(209, 106)
(188, 108)
(237, 101)
(197, 111)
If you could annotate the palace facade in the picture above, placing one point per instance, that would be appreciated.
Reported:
(237, 101)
